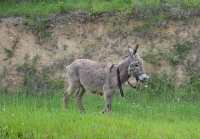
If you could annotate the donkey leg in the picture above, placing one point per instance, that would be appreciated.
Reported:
(79, 99)
(67, 95)
(65, 99)
(108, 102)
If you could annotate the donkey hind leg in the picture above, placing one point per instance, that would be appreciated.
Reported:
(108, 101)
(70, 90)
(79, 97)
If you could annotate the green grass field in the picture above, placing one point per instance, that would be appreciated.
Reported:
(29, 117)
(46, 7)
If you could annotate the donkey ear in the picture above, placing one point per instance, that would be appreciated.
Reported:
(130, 51)
(135, 49)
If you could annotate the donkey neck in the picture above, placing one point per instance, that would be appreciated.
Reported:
(123, 68)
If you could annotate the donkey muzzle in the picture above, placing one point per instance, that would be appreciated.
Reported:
(143, 77)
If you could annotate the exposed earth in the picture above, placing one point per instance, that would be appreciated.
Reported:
(60, 39)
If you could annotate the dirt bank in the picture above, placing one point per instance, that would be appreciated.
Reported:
(58, 40)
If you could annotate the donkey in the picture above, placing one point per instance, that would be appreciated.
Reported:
(85, 74)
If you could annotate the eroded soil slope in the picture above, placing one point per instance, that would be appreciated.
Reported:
(104, 39)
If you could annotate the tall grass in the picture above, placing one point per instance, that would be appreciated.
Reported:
(43, 117)
(159, 111)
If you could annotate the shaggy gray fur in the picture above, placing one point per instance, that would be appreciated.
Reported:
(85, 74)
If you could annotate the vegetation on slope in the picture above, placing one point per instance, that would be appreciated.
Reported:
(141, 8)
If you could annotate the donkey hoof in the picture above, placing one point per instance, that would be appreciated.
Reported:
(103, 111)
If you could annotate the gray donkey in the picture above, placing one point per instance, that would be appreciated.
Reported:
(85, 74)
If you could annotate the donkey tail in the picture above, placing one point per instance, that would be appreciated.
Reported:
(67, 68)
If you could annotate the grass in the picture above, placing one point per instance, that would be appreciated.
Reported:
(23, 116)
(46, 7)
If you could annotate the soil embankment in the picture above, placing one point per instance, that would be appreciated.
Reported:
(172, 47)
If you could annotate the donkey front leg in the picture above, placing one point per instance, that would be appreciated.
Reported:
(79, 97)
(108, 101)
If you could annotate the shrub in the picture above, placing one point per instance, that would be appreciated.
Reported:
(9, 53)
(194, 83)
(180, 53)
(60, 5)
(39, 26)
(36, 81)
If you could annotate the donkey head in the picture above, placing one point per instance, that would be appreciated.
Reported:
(135, 67)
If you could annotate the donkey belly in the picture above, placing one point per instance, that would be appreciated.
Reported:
(92, 81)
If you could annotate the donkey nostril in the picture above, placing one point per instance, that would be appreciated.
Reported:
(143, 77)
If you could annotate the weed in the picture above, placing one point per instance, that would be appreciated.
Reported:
(161, 86)
(88, 51)
(39, 26)
(194, 82)
(153, 57)
(61, 6)
(150, 24)
(36, 80)
(9, 53)
(180, 53)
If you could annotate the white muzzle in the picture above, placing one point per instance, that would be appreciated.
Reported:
(143, 77)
